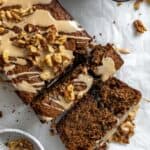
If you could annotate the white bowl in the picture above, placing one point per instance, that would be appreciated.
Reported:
(11, 134)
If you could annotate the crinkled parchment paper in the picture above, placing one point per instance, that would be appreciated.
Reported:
(98, 17)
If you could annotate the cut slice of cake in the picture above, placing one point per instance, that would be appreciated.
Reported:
(91, 122)
(85, 126)
(117, 96)
(104, 61)
(61, 96)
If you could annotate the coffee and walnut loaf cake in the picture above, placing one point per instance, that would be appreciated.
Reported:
(36, 52)
(39, 42)
(45, 54)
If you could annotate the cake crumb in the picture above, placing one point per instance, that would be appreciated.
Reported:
(119, 3)
(137, 4)
(114, 22)
(1, 114)
(100, 34)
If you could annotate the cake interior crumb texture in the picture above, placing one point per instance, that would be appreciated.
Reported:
(85, 124)
(116, 95)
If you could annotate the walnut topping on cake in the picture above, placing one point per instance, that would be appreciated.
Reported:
(3, 30)
(124, 132)
(5, 56)
(139, 26)
(15, 14)
(45, 48)
(46, 75)
(69, 93)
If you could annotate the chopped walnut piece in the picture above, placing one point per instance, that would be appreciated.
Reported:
(5, 56)
(1, 2)
(20, 144)
(57, 58)
(137, 4)
(15, 15)
(3, 30)
(61, 39)
(9, 15)
(45, 48)
(126, 130)
(139, 26)
(32, 48)
(69, 93)
(148, 1)
(48, 59)
(46, 75)
(127, 127)
(50, 49)
(124, 133)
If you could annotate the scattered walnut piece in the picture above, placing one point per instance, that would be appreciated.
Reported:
(19, 144)
(137, 4)
(139, 26)
(119, 3)
(148, 1)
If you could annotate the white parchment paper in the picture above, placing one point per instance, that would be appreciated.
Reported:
(97, 17)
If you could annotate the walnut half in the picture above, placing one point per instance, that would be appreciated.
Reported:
(139, 26)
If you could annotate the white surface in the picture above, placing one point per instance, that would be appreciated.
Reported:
(97, 17)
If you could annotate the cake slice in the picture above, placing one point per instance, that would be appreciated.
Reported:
(61, 96)
(39, 42)
(104, 61)
(86, 126)
(109, 51)
(92, 122)
(117, 96)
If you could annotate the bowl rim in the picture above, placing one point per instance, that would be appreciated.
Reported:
(24, 133)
